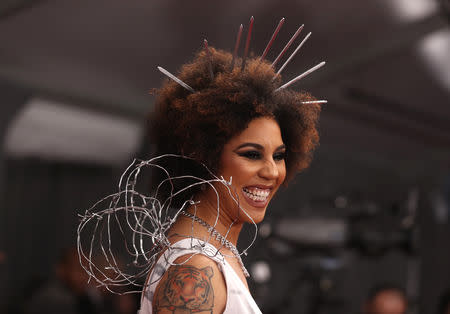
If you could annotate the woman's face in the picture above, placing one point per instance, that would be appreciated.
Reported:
(255, 161)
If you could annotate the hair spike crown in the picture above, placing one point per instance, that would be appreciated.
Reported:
(262, 57)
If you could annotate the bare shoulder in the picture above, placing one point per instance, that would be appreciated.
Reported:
(196, 285)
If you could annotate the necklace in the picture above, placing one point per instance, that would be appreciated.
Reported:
(215, 234)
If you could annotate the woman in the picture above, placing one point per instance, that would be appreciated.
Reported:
(227, 137)
(246, 131)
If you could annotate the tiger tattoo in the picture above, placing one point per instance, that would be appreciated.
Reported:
(187, 289)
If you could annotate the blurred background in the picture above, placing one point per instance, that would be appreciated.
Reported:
(373, 207)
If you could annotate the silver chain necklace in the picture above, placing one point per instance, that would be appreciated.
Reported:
(215, 234)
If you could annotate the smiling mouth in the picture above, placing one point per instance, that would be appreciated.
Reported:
(257, 194)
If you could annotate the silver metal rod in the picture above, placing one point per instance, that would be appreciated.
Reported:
(314, 102)
(293, 54)
(176, 79)
(321, 64)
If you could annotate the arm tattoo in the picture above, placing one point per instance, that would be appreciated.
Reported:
(186, 290)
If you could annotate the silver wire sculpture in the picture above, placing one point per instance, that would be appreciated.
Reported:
(141, 223)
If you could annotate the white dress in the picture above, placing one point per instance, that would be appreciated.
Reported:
(239, 299)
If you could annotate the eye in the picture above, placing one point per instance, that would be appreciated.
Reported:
(251, 154)
(279, 156)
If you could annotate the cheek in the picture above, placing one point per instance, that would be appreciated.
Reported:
(241, 175)
(235, 168)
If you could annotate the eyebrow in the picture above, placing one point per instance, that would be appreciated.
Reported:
(259, 146)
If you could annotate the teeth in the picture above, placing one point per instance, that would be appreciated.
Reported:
(256, 194)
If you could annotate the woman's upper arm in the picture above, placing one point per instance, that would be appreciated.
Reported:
(196, 286)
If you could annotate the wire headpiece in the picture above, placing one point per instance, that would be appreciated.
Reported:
(262, 57)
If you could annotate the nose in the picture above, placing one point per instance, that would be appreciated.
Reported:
(269, 170)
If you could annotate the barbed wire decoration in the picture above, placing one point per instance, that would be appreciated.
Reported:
(134, 224)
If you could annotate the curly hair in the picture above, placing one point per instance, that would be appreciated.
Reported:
(199, 124)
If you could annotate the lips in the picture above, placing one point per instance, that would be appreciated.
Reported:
(256, 196)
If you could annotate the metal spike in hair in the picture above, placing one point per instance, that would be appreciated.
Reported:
(287, 45)
(247, 43)
(314, 102)
(274, 35)
(292, 55)
(176, 79)
(208, 55)
(306, 73)
(236, 46)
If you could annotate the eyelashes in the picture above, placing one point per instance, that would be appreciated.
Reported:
(256, 155)
(279, 156)
(251, 154)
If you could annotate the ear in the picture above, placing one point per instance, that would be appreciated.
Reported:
(207, 271)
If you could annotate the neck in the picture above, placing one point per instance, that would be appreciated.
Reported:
(217, 217)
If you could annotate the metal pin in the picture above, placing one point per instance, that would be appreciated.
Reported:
(274, 35)
(321, 64)
(236, 46)
(176, 79)
(292, 55)
(314, 102)
(208, 55)
(288, 45)
(247, 43)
